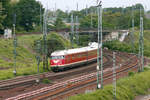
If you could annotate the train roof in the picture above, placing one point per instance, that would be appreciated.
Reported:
(92, 46)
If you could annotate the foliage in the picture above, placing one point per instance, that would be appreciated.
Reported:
(61, 14)
(54, 42)
(85, 23)
(8, 11)
(113, 18)
(23, 70)
(127, 89)
(28, 16)
(124, 10)
(26, 63)
(127, 47)
(116, 18)
(116, 45)
(1, 16)
(131, 73)
(84, 40)
(27, 12)
(46, 81)
(59, 24)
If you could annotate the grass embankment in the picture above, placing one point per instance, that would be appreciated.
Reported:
(127, 89)
(126, 45)
(26, 61)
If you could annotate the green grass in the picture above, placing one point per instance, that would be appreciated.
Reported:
(21, 71)
(127, 89)
(6, 54)
(26, 61)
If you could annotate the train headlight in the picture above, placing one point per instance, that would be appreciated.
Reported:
(55, 61)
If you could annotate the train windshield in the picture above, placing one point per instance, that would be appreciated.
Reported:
(57, 57)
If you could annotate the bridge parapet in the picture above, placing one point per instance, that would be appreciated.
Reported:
(108, 35)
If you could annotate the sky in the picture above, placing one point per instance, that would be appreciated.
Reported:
(72, 4)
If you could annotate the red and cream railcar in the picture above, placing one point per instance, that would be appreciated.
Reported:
(73, 57)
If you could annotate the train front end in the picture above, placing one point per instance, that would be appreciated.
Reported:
(57, 62)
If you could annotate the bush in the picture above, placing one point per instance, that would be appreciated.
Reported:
(131, 74)
(146, 68)
(54, 42)
(84, 40)
(46, 81)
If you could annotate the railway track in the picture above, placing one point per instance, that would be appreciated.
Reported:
(11, 83)
(17, 85)
(107, 65)
(107, 77)
(61, 88)
(62, 76)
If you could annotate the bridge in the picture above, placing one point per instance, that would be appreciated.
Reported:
(107, 34)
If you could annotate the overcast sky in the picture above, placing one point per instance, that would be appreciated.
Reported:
(72, 4)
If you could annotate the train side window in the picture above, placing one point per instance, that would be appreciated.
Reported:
(61, 57)
(69, 58)
(73, 57)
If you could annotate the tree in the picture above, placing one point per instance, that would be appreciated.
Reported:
(8, 11)
(54, 42)
(28, 13)
(85, 22)
(59, 24)
(61, 14)
(117, 18)
(1, 16)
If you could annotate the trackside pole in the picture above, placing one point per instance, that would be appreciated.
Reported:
(77, 27)
(45, 58)
(15, 44)
(77, 30)
(141, 45)
(114, 75)
(100, 44)
(86, 9)
(72, 31)
(38, 58)
(91, 25)
(132, 33)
